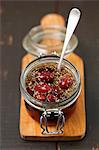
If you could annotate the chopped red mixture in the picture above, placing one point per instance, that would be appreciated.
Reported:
(46, 84)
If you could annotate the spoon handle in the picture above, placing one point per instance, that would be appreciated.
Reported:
(73, 19)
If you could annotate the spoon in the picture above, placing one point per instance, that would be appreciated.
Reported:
(73, 19)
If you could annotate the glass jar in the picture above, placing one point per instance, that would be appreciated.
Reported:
(54, 107)
(48, 41)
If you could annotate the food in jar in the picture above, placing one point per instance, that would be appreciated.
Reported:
(49, 43)
(46, 84)
(52, 19)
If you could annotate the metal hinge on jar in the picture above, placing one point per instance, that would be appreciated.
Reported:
(48, 115)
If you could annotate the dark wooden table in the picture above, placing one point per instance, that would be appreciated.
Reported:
(17, 18)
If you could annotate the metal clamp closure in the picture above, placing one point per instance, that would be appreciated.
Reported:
(46, 116)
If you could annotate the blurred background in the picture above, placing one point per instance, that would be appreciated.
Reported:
(17, 18)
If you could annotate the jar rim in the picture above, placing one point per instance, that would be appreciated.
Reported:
(31, 45)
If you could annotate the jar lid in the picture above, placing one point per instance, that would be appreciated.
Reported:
(48, 41)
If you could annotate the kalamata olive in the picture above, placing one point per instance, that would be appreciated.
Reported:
(46, 76)
(65, 82)
(42, 88)
(51, 98)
